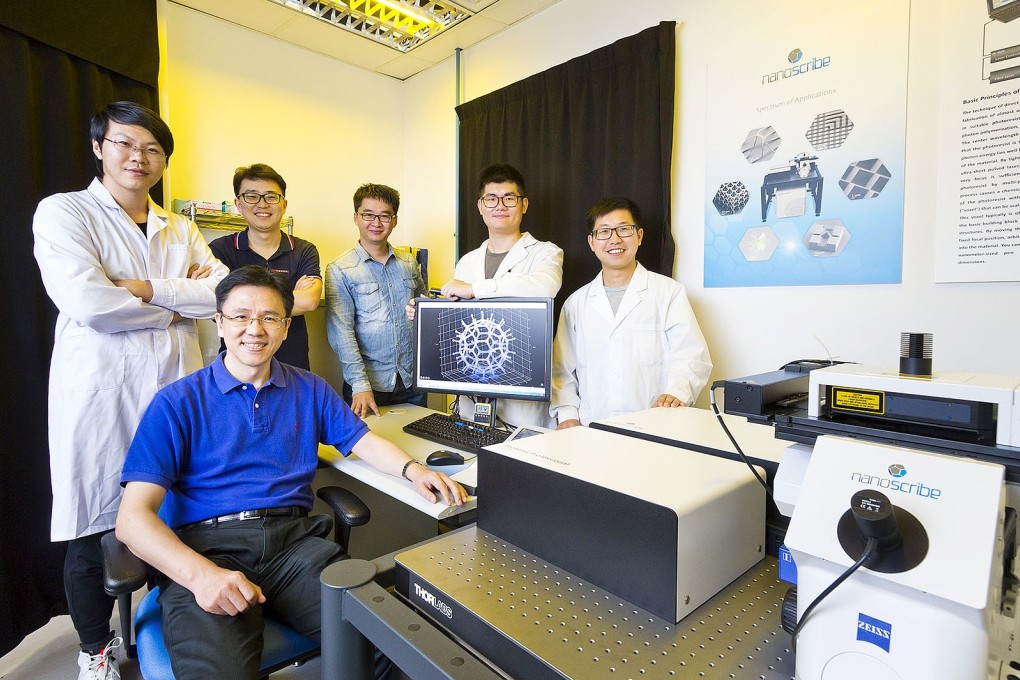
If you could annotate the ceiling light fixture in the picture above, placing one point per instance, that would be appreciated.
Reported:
(399, 24)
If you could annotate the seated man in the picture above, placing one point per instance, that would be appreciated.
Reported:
(242, 434)
(367, 289)
(628, 340)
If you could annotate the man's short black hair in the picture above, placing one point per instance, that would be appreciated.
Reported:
(499, 173)
(608, 205)
(258, 171)
(380, 192)
(255, 275)
(130, 113)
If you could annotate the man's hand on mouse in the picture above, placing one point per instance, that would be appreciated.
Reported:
(427, 481)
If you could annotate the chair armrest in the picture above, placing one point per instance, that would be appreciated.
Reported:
(123, 572)
(348, 511)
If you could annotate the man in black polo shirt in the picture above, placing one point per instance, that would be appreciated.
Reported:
(260, 196)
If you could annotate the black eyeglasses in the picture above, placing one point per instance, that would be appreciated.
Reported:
(623, 231)
(253, 197)
(127, 148)
(372, 217)
(243, 320)
(492, 200)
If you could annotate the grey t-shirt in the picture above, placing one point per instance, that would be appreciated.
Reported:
(615, 295)
(492, 262)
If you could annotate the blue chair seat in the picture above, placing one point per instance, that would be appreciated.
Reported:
(282, 646)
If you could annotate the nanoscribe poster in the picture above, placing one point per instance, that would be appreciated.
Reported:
(977, 230)
(805, 137)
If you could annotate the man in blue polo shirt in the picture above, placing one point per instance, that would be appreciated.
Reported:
(241, 436)
(260, 196)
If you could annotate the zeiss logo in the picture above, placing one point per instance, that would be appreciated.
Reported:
(878, 633)
(433, 601)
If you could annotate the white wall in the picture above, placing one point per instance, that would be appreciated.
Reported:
(749, 330)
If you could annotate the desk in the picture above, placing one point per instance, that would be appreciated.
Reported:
(697, 429)
(406, 517)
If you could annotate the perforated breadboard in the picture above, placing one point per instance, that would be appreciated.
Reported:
(580, 631)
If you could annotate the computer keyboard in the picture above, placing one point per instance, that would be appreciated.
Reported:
(452, 431)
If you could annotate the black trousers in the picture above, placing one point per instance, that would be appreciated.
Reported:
(283, 556)
(87, 602)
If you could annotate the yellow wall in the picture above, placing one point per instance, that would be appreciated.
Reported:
(234, 97)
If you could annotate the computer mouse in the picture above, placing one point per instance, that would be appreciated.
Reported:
(444, 458)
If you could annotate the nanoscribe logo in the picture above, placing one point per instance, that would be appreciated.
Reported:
(433, 601)
(897, 472)
(798, 66)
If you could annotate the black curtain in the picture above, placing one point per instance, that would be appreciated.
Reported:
(598, 125)
(60, 61)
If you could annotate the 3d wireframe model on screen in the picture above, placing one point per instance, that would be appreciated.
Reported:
(497, 347)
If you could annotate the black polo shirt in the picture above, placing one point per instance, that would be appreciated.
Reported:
(294, 258)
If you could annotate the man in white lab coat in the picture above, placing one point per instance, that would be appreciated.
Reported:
(628, 340)
(128, 280)
(510, 263)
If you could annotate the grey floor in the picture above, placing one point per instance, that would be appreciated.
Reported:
(51, 653)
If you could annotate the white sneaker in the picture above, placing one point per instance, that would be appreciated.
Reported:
(101, 666)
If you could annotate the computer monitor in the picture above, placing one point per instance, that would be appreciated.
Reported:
(494, 348)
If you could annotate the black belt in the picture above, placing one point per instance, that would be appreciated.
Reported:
(292, 511)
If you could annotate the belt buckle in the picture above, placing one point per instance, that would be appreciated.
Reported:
(249, 514)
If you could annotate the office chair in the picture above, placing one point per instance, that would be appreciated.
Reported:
(124, 573)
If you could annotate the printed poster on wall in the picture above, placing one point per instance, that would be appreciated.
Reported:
(978, 225)
(805, 147)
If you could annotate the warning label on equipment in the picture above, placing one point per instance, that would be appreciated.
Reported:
(865, 401)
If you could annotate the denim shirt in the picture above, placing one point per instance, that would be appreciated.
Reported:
(365, 317)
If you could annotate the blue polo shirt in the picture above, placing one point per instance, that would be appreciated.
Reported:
(219, 446)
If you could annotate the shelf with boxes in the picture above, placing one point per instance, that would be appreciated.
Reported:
(222, 216)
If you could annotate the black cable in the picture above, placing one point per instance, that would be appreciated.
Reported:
(740, 452)
(868, 549)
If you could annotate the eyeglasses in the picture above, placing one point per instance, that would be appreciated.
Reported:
(492, 200)
(243, 321)
(623, 231)
(372, 217)
(253, 197)
(127, 148)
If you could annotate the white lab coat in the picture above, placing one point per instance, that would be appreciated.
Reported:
(531, 268)
(111, 351)
(606, 365)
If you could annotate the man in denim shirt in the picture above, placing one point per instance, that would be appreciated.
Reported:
(367, 289)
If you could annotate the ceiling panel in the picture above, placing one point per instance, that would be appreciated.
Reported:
(512, 11)
(264, 17)
(490, 17)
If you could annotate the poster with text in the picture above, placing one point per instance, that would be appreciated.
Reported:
(805, 147)
(977, 234)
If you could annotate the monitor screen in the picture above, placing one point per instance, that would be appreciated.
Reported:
(500, 347)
